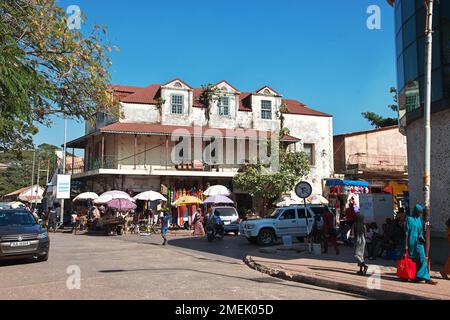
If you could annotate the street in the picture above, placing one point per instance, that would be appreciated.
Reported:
(133, 267)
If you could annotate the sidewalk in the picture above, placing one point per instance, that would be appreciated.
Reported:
(339, 273)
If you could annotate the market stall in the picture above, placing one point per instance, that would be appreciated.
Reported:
(339, 192)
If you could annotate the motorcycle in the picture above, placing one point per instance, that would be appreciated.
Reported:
(214, 230)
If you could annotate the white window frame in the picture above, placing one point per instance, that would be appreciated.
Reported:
(266, 112)
(224, 107)
(177, 107)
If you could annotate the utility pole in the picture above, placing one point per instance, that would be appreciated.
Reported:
(64, 165)
(37, 183)
(427, 120)
(32, 172)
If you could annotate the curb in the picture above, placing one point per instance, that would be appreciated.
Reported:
(345, 287)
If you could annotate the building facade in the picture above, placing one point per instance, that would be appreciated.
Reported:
(410, 47)
(378, 156)
(137, 150)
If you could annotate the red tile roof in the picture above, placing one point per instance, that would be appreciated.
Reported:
(296, 107)
(149, 94)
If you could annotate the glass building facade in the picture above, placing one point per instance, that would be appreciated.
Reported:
(410, 46)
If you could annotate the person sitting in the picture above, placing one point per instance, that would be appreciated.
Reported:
(374, 240)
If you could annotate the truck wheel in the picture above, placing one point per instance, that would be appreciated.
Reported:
(266, 237)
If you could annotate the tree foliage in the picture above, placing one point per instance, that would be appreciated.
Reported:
(267, 186)
(209, 94)
(18, 172)
(379, 121)
(47, 69)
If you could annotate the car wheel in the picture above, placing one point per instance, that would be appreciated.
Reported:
(252, 240)
(42, 258)
(266, 237)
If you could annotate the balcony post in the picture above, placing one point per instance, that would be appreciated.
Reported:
(135, 150)
(103, 151)
(167, 151)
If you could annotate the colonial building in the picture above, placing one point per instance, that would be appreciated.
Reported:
(136, 151)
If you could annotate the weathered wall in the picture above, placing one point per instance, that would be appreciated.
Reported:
(318, 131)
(440, 167)
(387, 146)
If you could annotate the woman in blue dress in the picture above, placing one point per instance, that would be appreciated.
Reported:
(414, 244)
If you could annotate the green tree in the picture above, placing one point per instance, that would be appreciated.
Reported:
(379, 121)
(47, 69)
(18, 173)
(267, 186)
(209, 94)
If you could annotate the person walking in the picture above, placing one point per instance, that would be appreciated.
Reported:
(329, 232)
(414, 244)
(446, 270)
(165, 227)
(198, 223)
(52, 217)
(74, 219)
(359, 233)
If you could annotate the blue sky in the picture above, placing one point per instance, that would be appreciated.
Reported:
(318, 52)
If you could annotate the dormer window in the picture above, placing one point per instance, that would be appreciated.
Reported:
(266, 109)
(224, 106)
(177, 104)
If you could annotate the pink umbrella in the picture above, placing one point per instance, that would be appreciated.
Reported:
(219, 199)
(121, 204)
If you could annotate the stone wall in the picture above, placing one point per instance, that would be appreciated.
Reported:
(440, 167)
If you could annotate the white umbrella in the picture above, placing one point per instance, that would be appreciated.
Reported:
(288, 202)
(150, 196)
(217, 190)
(16, 205)
(86, 196)
(111, 195)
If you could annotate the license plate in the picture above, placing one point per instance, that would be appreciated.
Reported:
(20, 244)
(227, 222)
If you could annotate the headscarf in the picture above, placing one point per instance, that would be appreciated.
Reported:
(417, 209)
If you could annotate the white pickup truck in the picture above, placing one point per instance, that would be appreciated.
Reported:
(283, 221)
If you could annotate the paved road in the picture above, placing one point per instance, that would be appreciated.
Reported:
(132, 267)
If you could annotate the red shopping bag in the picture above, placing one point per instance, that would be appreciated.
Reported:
(406, 268)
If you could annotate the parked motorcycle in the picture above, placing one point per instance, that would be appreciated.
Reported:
(214, 230)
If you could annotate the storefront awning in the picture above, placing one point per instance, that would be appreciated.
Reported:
(339, 182)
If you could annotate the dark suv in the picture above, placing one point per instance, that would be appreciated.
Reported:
(22, 237)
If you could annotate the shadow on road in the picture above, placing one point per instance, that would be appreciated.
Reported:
(262, 280)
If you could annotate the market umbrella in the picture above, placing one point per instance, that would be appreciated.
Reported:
(121, 204)
(316, 199)
(217, 190)
(150, 196)
(288, 202)
(219, 199)
(187, 201)
(111, 195)
(16, 205)
(86, 196)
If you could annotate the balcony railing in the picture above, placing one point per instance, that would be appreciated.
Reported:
(112, 162)
(377, 162)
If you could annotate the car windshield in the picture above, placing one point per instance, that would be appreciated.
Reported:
(16, 218)
(275, 214)
(226, 212)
